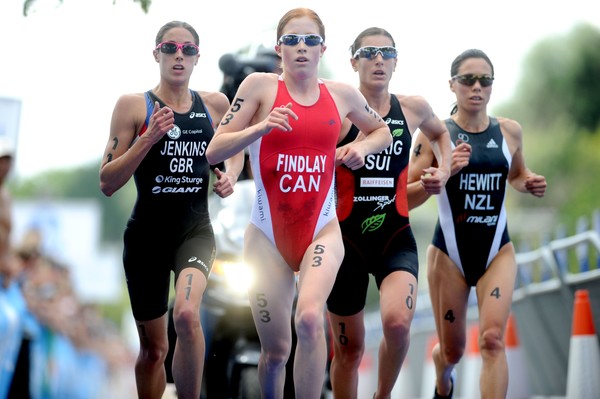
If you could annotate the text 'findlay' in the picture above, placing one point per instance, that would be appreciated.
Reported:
(287, 164)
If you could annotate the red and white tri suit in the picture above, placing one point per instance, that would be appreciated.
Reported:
(294, 175)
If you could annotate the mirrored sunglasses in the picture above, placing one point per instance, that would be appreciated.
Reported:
(370, 52)
(172, 47)
(469, 79)
(293, 39)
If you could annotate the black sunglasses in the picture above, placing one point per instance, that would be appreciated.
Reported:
(172, 47)
(469, 79)
(292, 39)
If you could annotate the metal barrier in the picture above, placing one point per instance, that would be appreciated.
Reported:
(543, 310)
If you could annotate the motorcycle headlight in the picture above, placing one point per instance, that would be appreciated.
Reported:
(237, 275)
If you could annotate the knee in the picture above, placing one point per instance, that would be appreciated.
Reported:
(491, 343)
(309, 324)
(275, 357)
(396, 330)
(349, 354)
(186, 322)
(453, 353)
(153, 351)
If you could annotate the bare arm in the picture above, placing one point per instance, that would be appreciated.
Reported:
(421, 158)
(434, 177)
(421, 162)
(430, 164)
(6, 268)
(217, 105)
(377, 136)
(121, 157)
(519, 175)
(248, 118)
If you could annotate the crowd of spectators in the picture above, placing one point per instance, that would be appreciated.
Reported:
(51, 344)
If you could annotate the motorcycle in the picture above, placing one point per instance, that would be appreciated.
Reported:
(232, 344)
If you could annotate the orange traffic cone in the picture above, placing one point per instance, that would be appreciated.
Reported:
(518, 383)
(583, 374)
(472, 365)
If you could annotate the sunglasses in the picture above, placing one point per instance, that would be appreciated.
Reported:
(470, 79)
(370, 52)
(172, 47)
(293, 39)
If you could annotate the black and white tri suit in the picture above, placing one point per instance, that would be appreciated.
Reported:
(472, 224)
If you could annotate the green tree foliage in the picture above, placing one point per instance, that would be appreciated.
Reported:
(558, 105)
(28, 4)
(82, 183)
(564, 72)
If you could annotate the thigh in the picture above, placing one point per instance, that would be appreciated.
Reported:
(153, 332)
(349, 292)
(189, 289)
(148, 273)
(272, 294)
(398, 296)
(348, 331)
(449, 294)
(196, 250)
(495, 289)
(194, 259)
(320, 266)
(400, 254)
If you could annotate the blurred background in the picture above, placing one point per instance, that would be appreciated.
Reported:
(75, 58)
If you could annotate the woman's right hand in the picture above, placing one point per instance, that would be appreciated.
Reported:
(161, 122)
(460, 156)
(278, 118)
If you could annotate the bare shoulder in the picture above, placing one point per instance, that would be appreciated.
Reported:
(260, 79)
(509, 126)
(348, 98)
(258, 88)
(412, 101)
(253, 101)
(212, 97)
(415, 104)
(339, 88)
(215, 99)
(130, 112)
(131, 99)
(511, 130)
